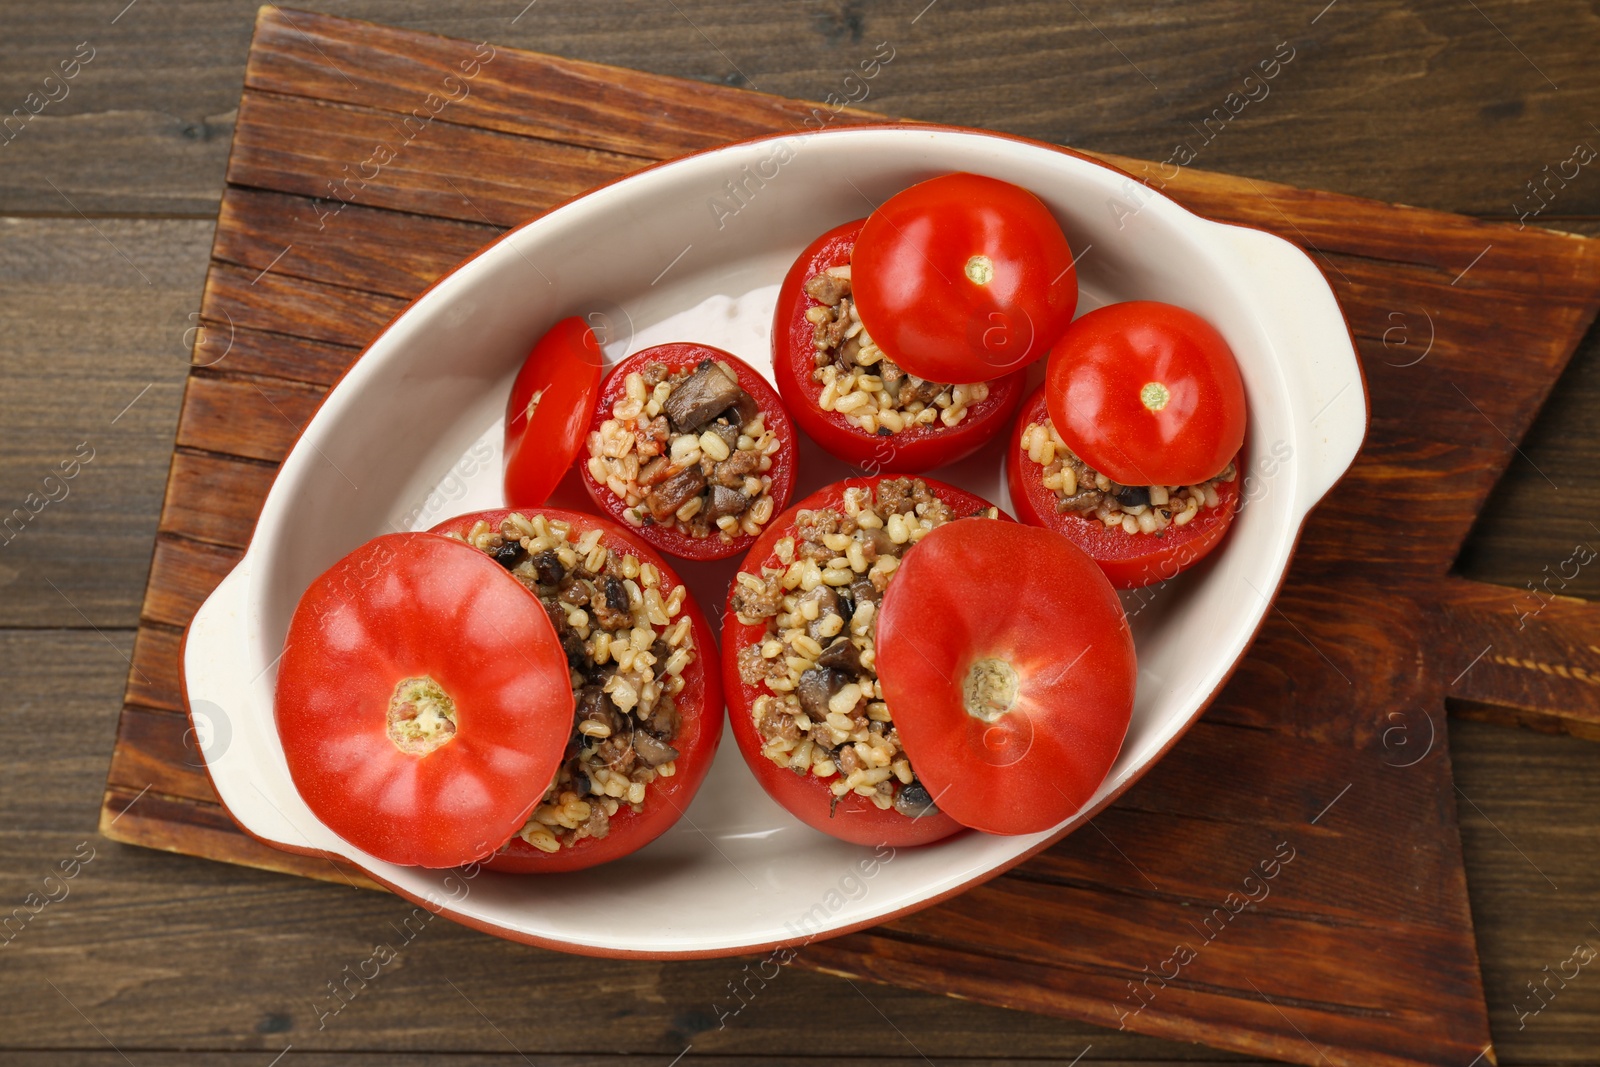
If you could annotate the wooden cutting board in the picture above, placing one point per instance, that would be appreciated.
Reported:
(1288, 882)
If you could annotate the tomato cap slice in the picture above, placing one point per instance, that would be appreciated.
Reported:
(409, 607)
(1130, 561)
(964, 278)
(699, 733)
(914, 449)
(680, 356)
(1009, 663)
(1147, 393)
(543, 435)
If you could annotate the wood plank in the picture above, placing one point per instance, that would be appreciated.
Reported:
(258, 418)
(182, 575)
(214, 498)
(146, 126)
(78, 292)
(140, 943)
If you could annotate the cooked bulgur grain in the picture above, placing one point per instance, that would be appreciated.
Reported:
(687, 449)
(627, 647)
(863, 384)
(823, 711)
(1136, 508)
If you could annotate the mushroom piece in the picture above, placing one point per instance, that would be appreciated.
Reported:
(842, 655)
(815, 687)
(701, 397)
(676, 491)
(652, 752)
(725, 501)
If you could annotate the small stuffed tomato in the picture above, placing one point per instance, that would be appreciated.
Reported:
(1138, 534)
(691, 448)
(798, 658)
(856, 403)
(647, 714)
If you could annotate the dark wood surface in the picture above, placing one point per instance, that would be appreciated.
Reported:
(1534, 800)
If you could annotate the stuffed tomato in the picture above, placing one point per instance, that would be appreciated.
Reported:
(854, 401)
(1138, 534)
(640, 665)
(798, 658)
(692, 449)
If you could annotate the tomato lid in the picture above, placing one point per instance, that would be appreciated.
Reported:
(423, 700)
(1007, 663)
(963, 278)
(547, 415)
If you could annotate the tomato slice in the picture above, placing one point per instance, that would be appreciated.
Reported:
(1147, 393)
(422, 700)
(669, 534)
(1129, 560)
(964, 278)
(852, 817)
(912, 449)
(1010, 659)
(698, 703)
(548, 411)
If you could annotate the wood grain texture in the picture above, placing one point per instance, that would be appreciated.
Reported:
(1378, 94)
(1103, 930)
(164, 952)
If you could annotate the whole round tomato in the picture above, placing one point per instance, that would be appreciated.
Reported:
(1129, 560)
(852, 818)
(687, 356)
(1147, 393)
(699, 704)
(916, 448)
(548, 411)
(964, 278)
(1010, 659)
(422, 700)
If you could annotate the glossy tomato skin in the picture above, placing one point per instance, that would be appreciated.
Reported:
(807, 797)
(414, 606)
(564, 369)
(1130, 561)
(685, 356)
(917, 449)
(1013, 716)
(964, 278)
(699, 703)
(1147, 393)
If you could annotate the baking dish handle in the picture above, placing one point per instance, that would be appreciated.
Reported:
(1317, 355)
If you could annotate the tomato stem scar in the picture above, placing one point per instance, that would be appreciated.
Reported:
(422, 716)
(989, 689)
(980, 270)
(1154, 396)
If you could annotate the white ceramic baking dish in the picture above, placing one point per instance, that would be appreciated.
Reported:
(676, 252)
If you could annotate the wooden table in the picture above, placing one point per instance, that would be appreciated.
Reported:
(107, 197)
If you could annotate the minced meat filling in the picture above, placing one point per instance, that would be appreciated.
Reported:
(822, 711)
(627, 647)
(687, 449)
(863, 384)
(1136, 508)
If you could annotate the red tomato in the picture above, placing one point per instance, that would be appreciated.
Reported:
(1129, 560)
(963, 278)
(1012, 662)
(699, 703)
(917, 448)
(548, 412)
(1147, 394)
(404, 626)
(808, 798)
(685, 356)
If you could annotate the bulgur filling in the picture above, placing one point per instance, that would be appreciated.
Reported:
(627, 646)
(1136, 508)
(822, 711)
(863, 384)
(687, 449)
